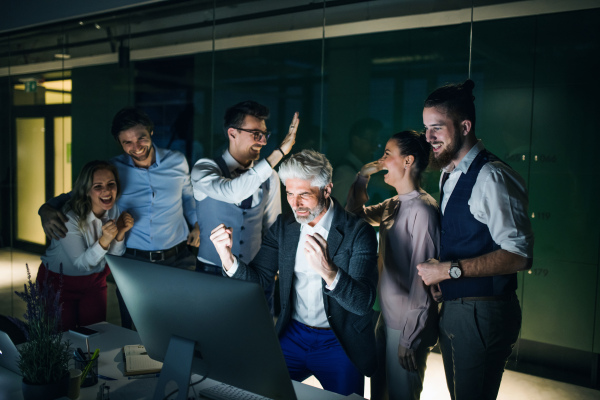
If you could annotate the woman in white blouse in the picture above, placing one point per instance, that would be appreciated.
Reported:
(409, 234)
(95, 228)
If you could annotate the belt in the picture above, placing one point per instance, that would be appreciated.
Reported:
(158, 255)
(502, 297)
(316, 327)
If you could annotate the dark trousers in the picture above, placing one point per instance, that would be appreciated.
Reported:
(476, 339)
(183, 260)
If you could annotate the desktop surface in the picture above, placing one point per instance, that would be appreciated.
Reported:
(110, 341)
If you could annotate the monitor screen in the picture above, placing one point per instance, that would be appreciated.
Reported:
(227, 319)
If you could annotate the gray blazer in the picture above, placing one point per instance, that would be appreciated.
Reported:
(353, 247)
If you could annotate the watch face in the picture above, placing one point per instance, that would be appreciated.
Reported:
(455, 272)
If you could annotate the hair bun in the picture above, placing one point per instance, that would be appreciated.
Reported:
(468, 85)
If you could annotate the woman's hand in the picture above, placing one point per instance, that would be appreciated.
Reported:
(124, 224)
(371, 168)
(109, 232)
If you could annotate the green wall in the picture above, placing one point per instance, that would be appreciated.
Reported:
(537, 99)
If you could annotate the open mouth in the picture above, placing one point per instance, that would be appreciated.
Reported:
(436, 146)
(106, 200)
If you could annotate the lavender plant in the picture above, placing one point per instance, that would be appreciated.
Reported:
(44, 357)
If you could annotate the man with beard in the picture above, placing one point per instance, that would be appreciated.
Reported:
(156, 192)
(486, 239)
(327, 263)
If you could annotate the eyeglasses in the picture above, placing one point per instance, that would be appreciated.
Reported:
(258, 135)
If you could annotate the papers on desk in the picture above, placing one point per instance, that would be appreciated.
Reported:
(137, 361)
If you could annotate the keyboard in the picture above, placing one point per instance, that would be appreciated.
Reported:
(223, 391)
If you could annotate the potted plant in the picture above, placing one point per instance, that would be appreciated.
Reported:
(44, 357)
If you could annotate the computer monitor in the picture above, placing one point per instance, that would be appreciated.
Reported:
(225, 322)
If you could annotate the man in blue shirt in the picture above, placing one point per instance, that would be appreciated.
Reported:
(156, 191)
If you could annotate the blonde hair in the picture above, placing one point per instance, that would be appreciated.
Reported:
(80, 201)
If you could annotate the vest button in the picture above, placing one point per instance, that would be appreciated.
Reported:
(241, 242)
(242, 228)
(241, 256)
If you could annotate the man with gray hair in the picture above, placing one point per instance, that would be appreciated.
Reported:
(327, 263)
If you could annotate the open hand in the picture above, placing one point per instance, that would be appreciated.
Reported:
(290, 138)
(407, 358)
(315, 250)
(371, 168)
(53, 222)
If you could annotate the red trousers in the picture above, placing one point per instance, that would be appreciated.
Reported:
(83, 298)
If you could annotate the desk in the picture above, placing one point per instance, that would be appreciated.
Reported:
(110, 341)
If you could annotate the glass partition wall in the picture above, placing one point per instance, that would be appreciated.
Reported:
(337, 63)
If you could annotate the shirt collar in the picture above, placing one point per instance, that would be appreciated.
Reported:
(92, 217)
(231, 162)
(324, 223)
(464, 164)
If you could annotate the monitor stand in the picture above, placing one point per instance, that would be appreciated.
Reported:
(177, 367)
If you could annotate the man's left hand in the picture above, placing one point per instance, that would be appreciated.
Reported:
(315, 251)
(407, 358)
(433, 272)
(193, 238)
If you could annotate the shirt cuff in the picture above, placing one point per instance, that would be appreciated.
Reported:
(233, 268)
(334, 283)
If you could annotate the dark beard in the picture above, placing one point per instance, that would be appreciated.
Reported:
(449, 154)
(443, 159)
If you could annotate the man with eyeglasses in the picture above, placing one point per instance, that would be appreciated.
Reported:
(238, 190)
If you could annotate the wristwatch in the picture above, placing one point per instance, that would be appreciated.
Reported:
(455, 270)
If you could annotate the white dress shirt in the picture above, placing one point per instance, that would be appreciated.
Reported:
(208, 181)
(498, 200)
(79, 251)
(308, 288)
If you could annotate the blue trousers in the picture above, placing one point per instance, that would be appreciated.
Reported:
(317, 352)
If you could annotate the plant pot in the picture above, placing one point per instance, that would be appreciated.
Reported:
(48, 391)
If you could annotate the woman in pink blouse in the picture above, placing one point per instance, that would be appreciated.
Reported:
(409, 233)
(96, 227)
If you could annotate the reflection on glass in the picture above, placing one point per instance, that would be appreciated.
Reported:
(31, 183)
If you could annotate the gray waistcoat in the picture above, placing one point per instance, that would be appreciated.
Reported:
(246, 224)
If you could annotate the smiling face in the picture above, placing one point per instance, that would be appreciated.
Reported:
(394, 162)
(445, 136)
(242, 144)
(137, 142)
(103, 192)
(308, 202)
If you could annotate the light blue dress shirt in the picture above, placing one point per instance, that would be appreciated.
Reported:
(159, 198)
